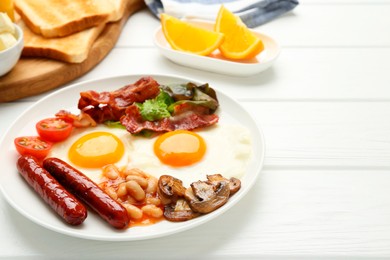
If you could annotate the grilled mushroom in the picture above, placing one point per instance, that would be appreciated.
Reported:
(234, 183)
(180, 211)
(205, 197)
(170, 189)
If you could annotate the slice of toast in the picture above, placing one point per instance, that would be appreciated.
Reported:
(58, 18)
(119, 9)
(73, 48)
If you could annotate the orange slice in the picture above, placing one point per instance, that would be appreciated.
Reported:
(186, 37)
(240, 42)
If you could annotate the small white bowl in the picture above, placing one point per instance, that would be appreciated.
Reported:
(9, 57)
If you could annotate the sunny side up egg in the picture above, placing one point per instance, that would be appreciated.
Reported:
(228, 150)
(89, 149)
(187, 155)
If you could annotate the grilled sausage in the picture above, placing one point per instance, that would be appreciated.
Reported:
(59, 199)
(88, 192)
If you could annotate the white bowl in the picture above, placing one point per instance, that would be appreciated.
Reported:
(9, 57)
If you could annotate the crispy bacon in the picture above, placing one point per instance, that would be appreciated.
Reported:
(185, 117)
(105, 106)
(81, 120)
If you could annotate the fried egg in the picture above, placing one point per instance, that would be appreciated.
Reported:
(89, 149)
(187, 155)
(227, 150)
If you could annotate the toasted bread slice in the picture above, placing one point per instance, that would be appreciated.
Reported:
(73, 48)
(58, 18)
(119, 9)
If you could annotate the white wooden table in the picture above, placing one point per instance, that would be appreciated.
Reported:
(324, 107)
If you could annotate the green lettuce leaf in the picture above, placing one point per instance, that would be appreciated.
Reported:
(175, 94)
(156, 108)
(114, 124)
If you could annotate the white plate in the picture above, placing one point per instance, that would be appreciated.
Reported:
(216, 62)
(25, 201)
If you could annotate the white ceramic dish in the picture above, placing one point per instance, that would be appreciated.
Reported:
(215, 62)
(28, 203)
(10, 56)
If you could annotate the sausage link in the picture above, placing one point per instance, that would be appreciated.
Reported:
(88, 192)
(51, 191)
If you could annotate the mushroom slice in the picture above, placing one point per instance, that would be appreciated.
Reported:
(234, 183)
(180, 211)
(205, 197)
(170, 189)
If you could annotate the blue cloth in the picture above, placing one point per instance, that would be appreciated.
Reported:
(252, 12)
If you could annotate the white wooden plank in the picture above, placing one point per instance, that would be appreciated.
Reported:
(328, 135)
(328, 25)
(139, 30)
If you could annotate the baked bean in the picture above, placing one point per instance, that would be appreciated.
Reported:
(122, 189)
(133, 211)
(131, 200)
(111, 192)
(132, 187)
(135, 190)
(111, 171)
(152, 185)
(152, 210)
(134, 171)
(153, 201)
(140, 180)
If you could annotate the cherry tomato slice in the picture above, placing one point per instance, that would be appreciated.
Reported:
(54, 129)
(32, 145)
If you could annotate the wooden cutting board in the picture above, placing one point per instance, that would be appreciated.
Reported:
(32, 76)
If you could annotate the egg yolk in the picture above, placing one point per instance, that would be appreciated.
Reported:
(96, 149)
(180, 148)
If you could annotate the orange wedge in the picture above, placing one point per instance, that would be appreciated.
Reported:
(240, 42)
(186, 37)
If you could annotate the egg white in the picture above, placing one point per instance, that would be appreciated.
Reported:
(228, 152)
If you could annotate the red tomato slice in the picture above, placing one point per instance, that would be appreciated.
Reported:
(32, 145)
(54, 129)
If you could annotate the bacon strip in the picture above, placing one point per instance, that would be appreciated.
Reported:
(105, 106)
(185, 117)
(81, 120)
